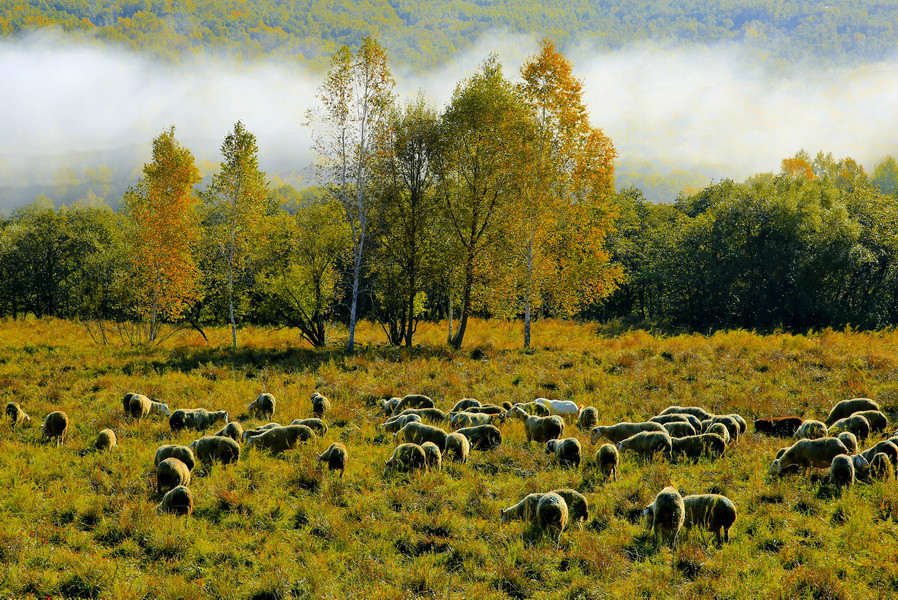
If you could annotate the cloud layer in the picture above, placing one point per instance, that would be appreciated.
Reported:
(692, 108)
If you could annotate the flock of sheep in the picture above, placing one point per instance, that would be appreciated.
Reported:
(677, 433)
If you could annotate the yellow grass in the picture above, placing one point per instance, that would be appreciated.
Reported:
(78, 524)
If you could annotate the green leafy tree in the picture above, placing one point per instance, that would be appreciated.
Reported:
(356, 98)
(236, 203)
(480, 135)
(300, 280)
(409, 247)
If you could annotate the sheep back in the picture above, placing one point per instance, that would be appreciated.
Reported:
(783, 427)
(418, 433)
(552, 514)
(182, 453)
(607, 459)
(233, 430)
(713, 512)
(457, 447)
(263, 406)
(482, 437)
(406, 458)
(170, 473)
(588, 418)
(178, 501)
(216, 449)
(666, 515)
(846, 408)
(647, 444)
(56, 424)
(621, 431)
(105, 440)
(336, 457)
(841, 471)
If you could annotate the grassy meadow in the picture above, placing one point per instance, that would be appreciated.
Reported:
(77, 524)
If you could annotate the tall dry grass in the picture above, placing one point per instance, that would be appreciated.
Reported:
(81, 525)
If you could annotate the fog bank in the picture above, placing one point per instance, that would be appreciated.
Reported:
(69, 107)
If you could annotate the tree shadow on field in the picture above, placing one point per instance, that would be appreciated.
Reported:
(186, 359)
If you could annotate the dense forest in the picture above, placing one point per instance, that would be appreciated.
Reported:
(425, 34)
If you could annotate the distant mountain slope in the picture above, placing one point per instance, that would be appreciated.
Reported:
(425, 33)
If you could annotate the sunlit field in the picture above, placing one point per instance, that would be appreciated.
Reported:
(82, 524)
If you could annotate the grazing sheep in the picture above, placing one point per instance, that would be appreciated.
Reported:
(396, 423)
(562, 408)
(710, 511)
(805, 454)
(335, 456)
(428, 415)
(679, 429)
(434, 456)
(810, 430)
(198, 419)
(856, 424)
(647, 444)
(316, 425)
(533, 408)
(105, 440)
(577, 505)
(457, 447)
(878, 421)
(732, 425)
(696, 446)
(182, 453)
(262, 407)
(588, 418)
(55, 426)
(720, 430)
(666, 515)
(320, 405)
(414, 401)
(607, 459)
(846, 408)
(783, 427)
(216, 449)
(525, 510)
(178, 501)
(482, 437)
(887, 447)
(466, 419)
(250, 433)
(464, 404)
(389, 406)
(170, 473)
(541, 429)
(678, 418)
(621, 431)
(406, 458)
(233, 430)
(141, 407)
(418, 433)
(743, 426)
(699, 413)
(567, 451)
(16, 414)
(487, 409)
(552, 514)
(841, 471)
(126, 403)
(279, 439)
(881, 467)
(850, 441)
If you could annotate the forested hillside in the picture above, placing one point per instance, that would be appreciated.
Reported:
(425, 34)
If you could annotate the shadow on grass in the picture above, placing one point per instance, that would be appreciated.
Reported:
(251, 359)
